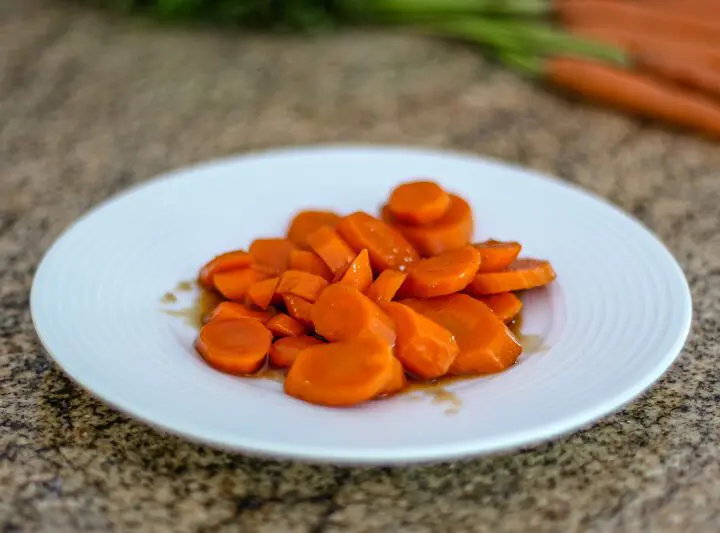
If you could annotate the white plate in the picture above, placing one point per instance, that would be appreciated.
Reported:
(612, 323)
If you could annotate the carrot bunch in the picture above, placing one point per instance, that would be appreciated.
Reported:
(353, 306)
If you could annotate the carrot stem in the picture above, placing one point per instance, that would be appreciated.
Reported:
(434, 8)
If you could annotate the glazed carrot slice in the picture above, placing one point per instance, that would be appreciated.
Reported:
(424, 348)
(306, 222)
(341, 373)
(497, 255)
(282, 325)
(450, 232)
(235, 284)
(386, 247)
(521, 274)
(336, 253)
(226, 262)
(418, 202)
(505, 305)
(309, 261)
(232, 310)
(359, 274)
(271, 256)
(343, 313)
(387, 284)
(396, 381)
(303, 284)
(261, 292)
(486, 344)
(299, 309)
(284, 351)
(236, 346)
(444, 274)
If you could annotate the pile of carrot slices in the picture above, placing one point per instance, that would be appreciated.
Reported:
(355, 306)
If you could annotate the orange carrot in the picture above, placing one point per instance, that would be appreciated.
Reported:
(309, 261)
(497, 255)
(522, 274)
(271, 256)
(441, 275)
(418, 202)
(232, 310)
(424, 348)
(306, 222)
(282, 325)
(228, 261)
(385, 246)
(235, 284)
(396, 381)
(303, 284)
(299, 309)
(336, 253)
(387, 284)
(284, 351)
(261, 293)
(486, 344)
(450, 232)
(359, 274)
(237, 346)
(505, 305)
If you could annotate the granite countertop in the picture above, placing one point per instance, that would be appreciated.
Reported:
(91, 104)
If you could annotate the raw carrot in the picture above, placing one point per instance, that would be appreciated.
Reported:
(424, 348)
(306, 222)
(359, 274)
(235, 284)
(299, 309)
(309, 261)
(396, 380)
(385, 286)
(505, 305)
(282, 325)
(452, 231)
(284, 351)
(497, 255)
(261, 292)
(486, 344)
(303, 284)
(441, 275)
(522, 274)
(271, 256)
(233, 310)
(228, 261)
(418, 202)
(386, 247)
(236, 346)
(331, 248)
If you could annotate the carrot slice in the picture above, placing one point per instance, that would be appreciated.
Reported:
(497, 255)
(425, 349)
(344, 313)
(521, 274)
(228, 261)
(418, 202)
(299, 309)
(306, 222)
(232, 310)
(284, 351)
(336, 253)
(282, 325)
(450, 232)
(236, 346)
(359, 274)
(235, 284)
(505, 305)
(309, 261)
(385, 286)
(341, 373)
(303, 284)
(486, 344)
(444, 274)
(271, 256)
(261, 293)
(386, 247)
(396, 381)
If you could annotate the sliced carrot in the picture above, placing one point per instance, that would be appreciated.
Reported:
(450, 232)
(424, 348)
(385, 286)
(520, 275)
(505, 305)
(235, 284)
(309, 261)
(343, 313)
(497, 255)
(486, 344)
(386, 247)
(331, 248)
(441, 275)
(299, 309)
(397, 381)
(236, 346)
(284, 351)
(340, 373)
(271, 256)
(261, 292)
(359, 274)
(282, 325)
(233, 310)
(226, 262)
(303, 284)
(306, 222)
(418, 202)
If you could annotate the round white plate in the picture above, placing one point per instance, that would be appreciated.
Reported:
(611, 324)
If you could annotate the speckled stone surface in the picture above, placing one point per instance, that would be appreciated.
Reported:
(90, 105)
